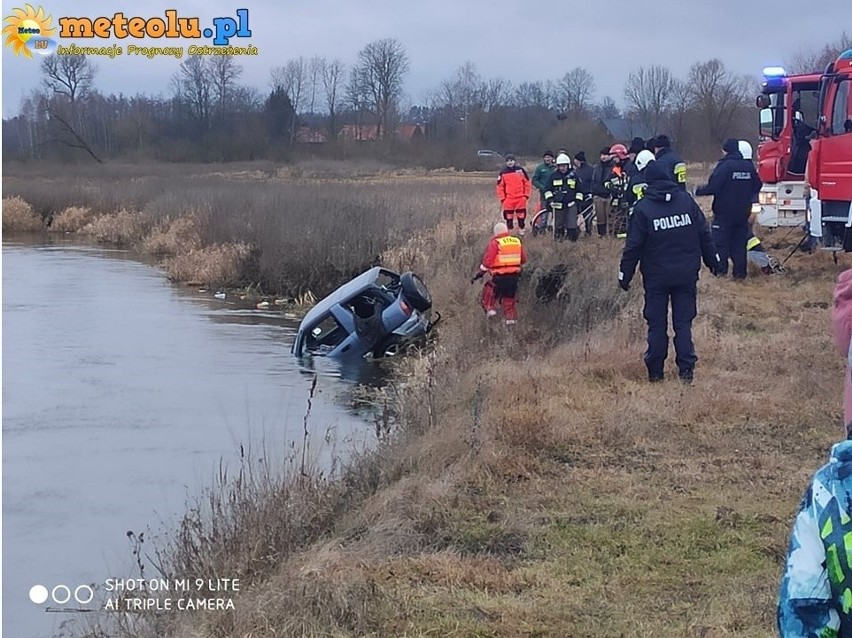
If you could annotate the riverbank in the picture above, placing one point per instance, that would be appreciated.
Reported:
(531, 482)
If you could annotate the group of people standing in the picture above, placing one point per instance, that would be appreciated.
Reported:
(579, 195)
(668, 236)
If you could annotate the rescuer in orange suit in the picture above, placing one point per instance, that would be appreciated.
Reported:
(503, 260)
(513, 190)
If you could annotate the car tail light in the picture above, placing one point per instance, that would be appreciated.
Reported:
(405, 307)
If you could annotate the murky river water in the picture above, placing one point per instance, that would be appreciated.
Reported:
(121, 393)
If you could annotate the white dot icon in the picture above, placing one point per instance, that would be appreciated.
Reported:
(38, 594)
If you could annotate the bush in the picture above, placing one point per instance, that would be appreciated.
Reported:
(18, 216)
(123, 229)
(71, 220)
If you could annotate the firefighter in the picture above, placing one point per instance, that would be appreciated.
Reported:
(734, 184)
(601, 174)
(513, 190)
(617, 187)
(503, 260)
(671, 160)
(814, 594)
(540, 178)
(668, 239)
(562, 196)
(583, 172)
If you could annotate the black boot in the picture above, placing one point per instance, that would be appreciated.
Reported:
(602, 230)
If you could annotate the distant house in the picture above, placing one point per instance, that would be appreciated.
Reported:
(410, 132)
(358, 132)
(307, 135)
(369, 132)
(623, 129)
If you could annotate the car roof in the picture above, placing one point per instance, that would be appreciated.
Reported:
(348, 290)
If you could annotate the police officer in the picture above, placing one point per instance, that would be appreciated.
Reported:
(562, 196)
(673, 162)
(668, 238)
(734, 183)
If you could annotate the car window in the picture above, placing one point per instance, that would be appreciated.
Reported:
(369, 303)
(325, 335)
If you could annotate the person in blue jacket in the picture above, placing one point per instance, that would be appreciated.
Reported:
(668, 239)
(815, 599)
(734, 185)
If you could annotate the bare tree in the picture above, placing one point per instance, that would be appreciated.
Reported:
(382, 67)
(292, 78)
(575, 90)
(358, 96)
(224, 73)
(332, 78)
(68, 75)
(461, 93)
(496, 92)
(648, 95)
(717, 94)
(607, 108)
(816, 60)
(313, 77)
(532, 94)
(193, 86)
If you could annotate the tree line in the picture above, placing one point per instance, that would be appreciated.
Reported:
(318, 105)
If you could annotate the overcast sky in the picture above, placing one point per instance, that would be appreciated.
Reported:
(519, 41)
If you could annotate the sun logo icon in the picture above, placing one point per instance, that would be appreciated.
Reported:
(27, 31)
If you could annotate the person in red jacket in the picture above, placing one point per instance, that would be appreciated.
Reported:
(513, 190)
(503, 260)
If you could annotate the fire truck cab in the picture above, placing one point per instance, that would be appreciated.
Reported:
(789, 112)
(829, 170)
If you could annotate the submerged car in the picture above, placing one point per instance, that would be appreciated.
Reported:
(375, 314)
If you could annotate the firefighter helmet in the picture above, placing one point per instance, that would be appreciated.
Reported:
(563, 159)
(643, 158)
(619, 150)
(745, 150)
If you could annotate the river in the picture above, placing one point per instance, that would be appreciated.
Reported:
(121, 394)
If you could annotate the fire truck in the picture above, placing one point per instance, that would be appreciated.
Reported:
(789, 112)
(829, 169)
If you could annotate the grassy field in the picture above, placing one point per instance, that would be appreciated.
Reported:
(532, 483)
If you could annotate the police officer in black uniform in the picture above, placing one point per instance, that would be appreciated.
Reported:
(734, 184)
(668, 238)
(670, 160)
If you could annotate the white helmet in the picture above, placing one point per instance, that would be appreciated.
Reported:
(563, 159)
(643, 158)
(745, 150)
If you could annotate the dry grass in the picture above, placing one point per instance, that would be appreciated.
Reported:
(533, 482)
(19, 217)
(123, 229)
(173, 237)
(71, 220)
(220, 265)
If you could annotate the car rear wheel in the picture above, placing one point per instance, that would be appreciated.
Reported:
(415, 291)
(389, 347)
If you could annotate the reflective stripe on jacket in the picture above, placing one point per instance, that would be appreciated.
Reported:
(504, 256)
